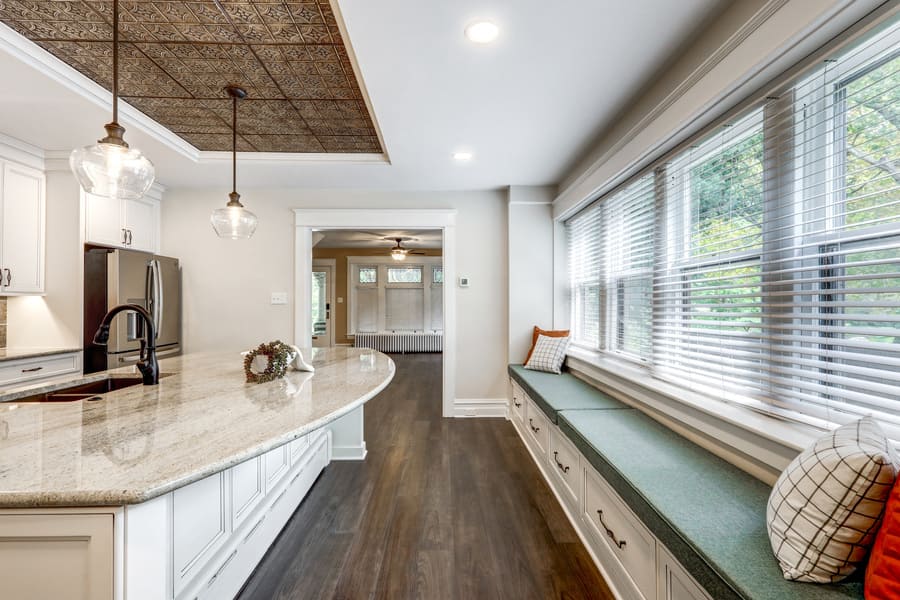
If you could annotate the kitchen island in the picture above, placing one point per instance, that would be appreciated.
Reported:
(168, 491)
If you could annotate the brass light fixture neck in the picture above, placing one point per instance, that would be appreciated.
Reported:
(234, 200)
(114, 135)
(237, 93)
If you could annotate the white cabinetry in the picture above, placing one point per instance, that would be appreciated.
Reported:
(130, 224)
(38, 368)
(22, 243)
(44, 554)
(673, 582)
(636, 565)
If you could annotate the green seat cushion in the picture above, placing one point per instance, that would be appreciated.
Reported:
(707, 512)
(554, 393)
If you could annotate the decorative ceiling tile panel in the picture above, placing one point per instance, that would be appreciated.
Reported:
(176, 58)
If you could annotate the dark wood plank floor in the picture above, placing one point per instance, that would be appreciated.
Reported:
(440, 509)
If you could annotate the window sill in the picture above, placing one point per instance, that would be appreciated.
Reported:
(761, 444)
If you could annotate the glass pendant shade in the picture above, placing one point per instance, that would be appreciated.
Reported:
(233, 221)
(112, 170)
(398, 254)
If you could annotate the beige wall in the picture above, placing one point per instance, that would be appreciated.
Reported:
(228, 284)
(339, 310)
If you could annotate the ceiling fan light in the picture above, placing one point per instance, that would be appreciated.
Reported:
(398, 254)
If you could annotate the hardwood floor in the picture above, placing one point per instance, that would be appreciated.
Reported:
(440, 509)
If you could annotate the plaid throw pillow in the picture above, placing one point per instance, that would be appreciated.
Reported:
(825, 508)
(549, 354)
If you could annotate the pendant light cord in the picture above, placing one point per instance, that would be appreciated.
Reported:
(115, 86)
(234, 144)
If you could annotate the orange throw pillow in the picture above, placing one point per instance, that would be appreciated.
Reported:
(549, 333)
(883, 572)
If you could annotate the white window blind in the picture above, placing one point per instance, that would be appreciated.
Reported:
(611, 256)
(404, 309)
(366, 308)
(776, 278)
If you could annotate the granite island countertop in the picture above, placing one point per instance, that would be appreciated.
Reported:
(141, 442)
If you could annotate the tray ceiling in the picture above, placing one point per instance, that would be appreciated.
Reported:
(175, 58)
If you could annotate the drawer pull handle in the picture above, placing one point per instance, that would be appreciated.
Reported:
(278, 499)
(296, 477)
(562, 467)
(222, 568)
(518, 404)
(533, 428)
(610, 533)
(32, 370)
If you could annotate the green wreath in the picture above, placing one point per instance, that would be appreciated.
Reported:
(277, 353)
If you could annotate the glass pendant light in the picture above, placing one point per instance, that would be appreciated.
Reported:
(109, 167)
(234, 221)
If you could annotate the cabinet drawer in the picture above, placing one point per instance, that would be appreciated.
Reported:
(43, 367)
(538, 427)
(276, 465)
(618, 529)
(673, 582)
(564, 462)
(298, 446)
(517, 406)
(199, 527)
(247, 489)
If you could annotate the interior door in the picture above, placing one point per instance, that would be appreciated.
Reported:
(321, 303)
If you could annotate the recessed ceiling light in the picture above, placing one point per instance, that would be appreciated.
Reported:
(462, 156)
(482, 32)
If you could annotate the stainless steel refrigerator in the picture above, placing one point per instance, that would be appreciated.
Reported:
(113, 277)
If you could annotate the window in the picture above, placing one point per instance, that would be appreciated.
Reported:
(368, 275)
(611, 250)
(763, 263)
(404, 275)
(386, 297)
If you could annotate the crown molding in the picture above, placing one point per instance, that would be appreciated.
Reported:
(15, 149)
(36, 57)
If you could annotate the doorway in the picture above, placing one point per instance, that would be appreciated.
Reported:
(322, 303)
(310, 221)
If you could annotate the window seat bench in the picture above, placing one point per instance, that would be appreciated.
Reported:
(676, 505)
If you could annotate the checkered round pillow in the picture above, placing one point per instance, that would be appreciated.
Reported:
(825, 508)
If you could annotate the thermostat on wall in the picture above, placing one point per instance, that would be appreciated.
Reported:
(463, 282)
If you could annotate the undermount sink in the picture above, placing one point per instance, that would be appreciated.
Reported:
(86, 391)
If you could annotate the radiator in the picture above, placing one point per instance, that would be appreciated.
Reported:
(400, 342)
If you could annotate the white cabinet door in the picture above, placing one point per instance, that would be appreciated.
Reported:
(199, 526)
(141, 220)
(56, 556)
(22, 250)
(104, 220)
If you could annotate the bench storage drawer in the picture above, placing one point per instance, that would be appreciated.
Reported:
(517, 405)
(565, 463)
(537, 426)
(620, 533)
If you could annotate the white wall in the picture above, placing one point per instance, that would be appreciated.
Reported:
(530, 225)
(54, 320)
(228, 284)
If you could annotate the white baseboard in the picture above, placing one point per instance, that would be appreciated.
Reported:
(349, 452)
(480, 407)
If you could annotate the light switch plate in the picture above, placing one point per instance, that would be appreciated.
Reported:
(463, 281)
(340, 300)
(279, 297)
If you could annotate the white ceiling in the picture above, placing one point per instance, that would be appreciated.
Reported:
(342, 238)
(526, 106)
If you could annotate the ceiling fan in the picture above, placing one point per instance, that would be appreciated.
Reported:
(398, 252)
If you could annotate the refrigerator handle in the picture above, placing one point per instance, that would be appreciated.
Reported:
(158, 297)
